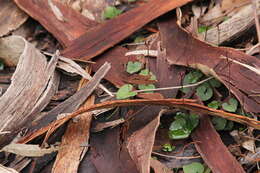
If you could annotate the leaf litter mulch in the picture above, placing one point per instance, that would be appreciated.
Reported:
(129, 86)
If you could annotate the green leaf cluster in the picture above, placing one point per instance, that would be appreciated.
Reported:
(126, 91)
(183, 125)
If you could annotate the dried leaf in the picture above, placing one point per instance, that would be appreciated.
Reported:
(33, 84)
(29, 150)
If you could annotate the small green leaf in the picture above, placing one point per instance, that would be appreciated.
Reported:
(190, 78)
(110, 12)
(192, 122)
(146, 72)
(139, 39)
(125, 92)
(179, 134)
(202, 29)
(194, 167)
(183, 125)
(1, 65)
(231, 105)
(168, 147)
(214, 104)
(131, 0)
(144, 87)
(178, 124)
(229, 125)
(133, 67)
(219, 123)
(204, 91)
(215, 83)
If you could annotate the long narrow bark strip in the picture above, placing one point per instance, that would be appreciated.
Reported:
(65, 31)
(212, 149)
(178, 103)
(106, 35)
(77, 133)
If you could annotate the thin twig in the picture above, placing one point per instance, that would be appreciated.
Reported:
(175, 87)
(176, 157)
(153, 53)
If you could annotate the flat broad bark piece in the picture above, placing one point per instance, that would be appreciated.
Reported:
(231, 28)
(106, 35)
(11, 17)
(64, 31)
(212, 149)
(239, 72)
(140, 145)
(76, 135)
(34, 82)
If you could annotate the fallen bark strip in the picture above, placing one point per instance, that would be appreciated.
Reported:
(178, 103)
(239, 72)
(65, 31)
(141, 150)
(34, 82)
(77, 133)
(213, 151)
(72, 103)
(106, 35)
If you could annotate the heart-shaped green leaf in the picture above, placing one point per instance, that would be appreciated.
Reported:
(144, 87)
(146, 72)
(231, 105)
(133, 67)
(125, 92)
(214, 104)
(110, 12)
(204, 91)
(190, 78)
(215, 83)
(219, 123)
(194, 167)
(183, 125)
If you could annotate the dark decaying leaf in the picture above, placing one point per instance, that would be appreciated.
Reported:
(239, 72)
(33, 84)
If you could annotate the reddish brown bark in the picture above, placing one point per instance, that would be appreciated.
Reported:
(106, 35)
